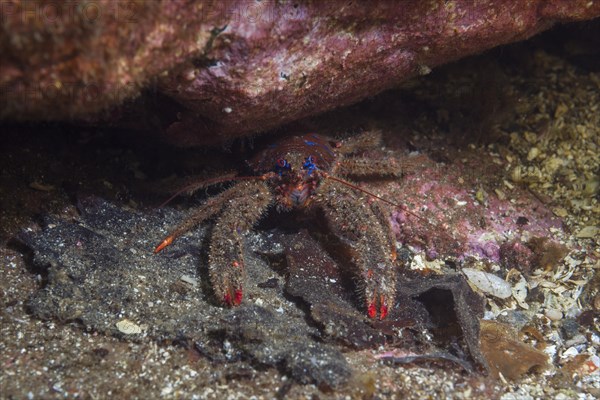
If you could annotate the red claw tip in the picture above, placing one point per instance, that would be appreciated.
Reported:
(237, 299)
(163, 244)
(372, 310)
(383, 310)
(234, 300)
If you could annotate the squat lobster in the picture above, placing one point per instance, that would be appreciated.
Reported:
(309, 173)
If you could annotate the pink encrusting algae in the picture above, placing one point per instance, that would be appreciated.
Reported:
(461, 219)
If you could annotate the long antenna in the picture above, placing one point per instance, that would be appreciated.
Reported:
(358, 188)
(209, 182)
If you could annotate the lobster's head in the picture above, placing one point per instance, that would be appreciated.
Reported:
(296, 180)
(297, 162)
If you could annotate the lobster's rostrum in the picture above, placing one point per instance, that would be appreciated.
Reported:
(304, 172)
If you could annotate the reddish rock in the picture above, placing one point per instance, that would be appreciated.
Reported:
(246, 66)
(515, 254)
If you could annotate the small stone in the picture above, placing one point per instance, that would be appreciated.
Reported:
(570, 352)
(577, 340)
(515, 318)
(128, 328)
(588, 232)
(533, 153)
(488, 283)
(553, 314)
(569, 328)
(560, 212)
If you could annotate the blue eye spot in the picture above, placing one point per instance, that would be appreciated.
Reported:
(309, 165)
(282, 165)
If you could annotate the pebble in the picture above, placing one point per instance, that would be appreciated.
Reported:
(577, 340)
(553, 314)
(533, 153)
(570, 328)
(488, 283)
(570, 352)
(560, 212)
(588, 232)
(127, 327)
(515, 318)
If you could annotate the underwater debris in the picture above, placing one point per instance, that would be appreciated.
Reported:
(537, 252)
(507, 355)
(546, 253)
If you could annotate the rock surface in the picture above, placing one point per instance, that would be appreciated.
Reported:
(100, 273)
(234, 68)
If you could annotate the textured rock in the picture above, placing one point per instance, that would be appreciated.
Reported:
(239, 67)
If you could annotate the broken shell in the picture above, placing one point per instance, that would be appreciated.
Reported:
(519, 292)
(488, 283)
(189, 279)
(517, 174)
(591, 187)
(560, 110)
(560, 212)
(533, 153)
(588, 232)
(127, 327)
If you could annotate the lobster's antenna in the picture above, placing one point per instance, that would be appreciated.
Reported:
(191, 188)
(358, 188)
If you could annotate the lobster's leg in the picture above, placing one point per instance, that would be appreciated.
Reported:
(387, 166)
(211, 207)
(360, 227)
(384, 219)
(225, 257)
(365, 141)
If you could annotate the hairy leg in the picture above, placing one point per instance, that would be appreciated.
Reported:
(355, 221)
(225, 257)
(362, 142)
(383, 167)
(211, 207)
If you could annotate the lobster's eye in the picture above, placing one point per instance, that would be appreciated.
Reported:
(309, 164)
(281, 165)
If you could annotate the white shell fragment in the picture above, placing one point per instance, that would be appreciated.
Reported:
(519, 292)
(553, 314)
(127, 327)
(189, 279)
(488, 283)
